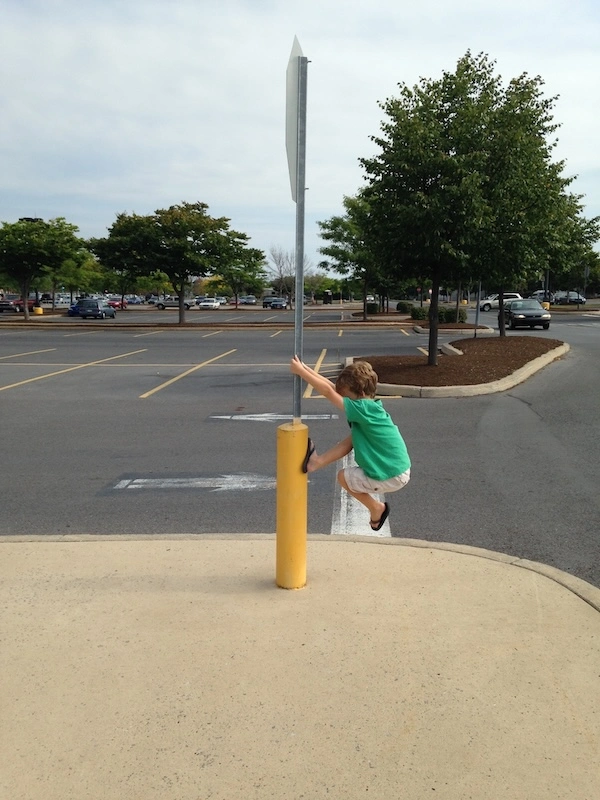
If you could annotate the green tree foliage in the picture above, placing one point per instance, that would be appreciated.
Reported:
(348, 248)
(242, 268)
(463, 184)
(182, 242)
(31, 247)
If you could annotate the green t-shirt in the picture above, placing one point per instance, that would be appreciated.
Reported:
(379, 448)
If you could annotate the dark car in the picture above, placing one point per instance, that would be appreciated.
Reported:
(525, 314)
(279, 302)
(267, 301)
(95, 308)
(568, 298)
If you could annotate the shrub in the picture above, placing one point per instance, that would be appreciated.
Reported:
(372, 308)
(448, 314)
(404, 307)
(419, 312)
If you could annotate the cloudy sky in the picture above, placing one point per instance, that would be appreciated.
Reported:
(133, 105)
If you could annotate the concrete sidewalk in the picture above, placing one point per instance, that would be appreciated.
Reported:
(175, 669)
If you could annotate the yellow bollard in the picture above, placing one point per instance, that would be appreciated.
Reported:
(38, 310)
(292, 506)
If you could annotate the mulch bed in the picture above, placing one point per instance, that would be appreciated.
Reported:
(483, 360)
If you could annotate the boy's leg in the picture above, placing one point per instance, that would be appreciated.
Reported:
(375, 506)
(336, 452)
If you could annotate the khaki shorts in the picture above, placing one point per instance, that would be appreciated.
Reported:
(359, 482)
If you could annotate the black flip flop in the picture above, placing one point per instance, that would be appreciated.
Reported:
(381, 520)
(310, 449)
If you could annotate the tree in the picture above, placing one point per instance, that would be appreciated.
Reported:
(242, 268)
(464, 184)
(348, 248)
(183, 242)
(30, 247)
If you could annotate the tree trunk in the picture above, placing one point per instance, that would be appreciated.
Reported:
(501, 325)
(433, 319)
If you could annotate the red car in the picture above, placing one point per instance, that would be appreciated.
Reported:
(116, 302)
(14, 302)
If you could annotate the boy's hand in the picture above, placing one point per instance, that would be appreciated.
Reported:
(296, 366)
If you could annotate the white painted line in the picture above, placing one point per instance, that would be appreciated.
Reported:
(223, 483)
(270, 417)
(351, 518)
(30, 353)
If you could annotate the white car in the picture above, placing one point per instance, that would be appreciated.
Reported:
(209, 302)
(493, 300)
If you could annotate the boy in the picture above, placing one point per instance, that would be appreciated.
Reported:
(379, 449)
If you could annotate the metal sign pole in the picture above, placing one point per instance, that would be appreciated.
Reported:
(300, 193)
(292, 439)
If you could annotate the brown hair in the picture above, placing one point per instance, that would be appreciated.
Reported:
(359, 377)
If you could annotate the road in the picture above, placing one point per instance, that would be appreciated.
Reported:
(151, 431)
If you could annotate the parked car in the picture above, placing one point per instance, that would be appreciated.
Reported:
(525, 314)
(134, 299)
(569, 298)
(96, 308)
(116, 302)
(542, 295)
(173, 302)
(209, 302)
(493, 300)
(279, 302)
(14, 302)
(73, 310)
(267, 301)
(222, 300)
(248, 300)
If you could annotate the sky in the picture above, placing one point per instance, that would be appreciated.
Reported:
(110, 106)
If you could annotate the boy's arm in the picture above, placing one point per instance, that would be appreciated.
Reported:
(318, 382)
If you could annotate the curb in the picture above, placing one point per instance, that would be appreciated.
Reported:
(587, 592)
(501, 385)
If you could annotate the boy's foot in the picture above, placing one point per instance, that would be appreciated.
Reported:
(310, 449)
(377, 525)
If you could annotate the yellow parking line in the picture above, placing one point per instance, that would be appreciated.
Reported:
(70, 369)
(30, 353)
(340, 333)
(274, 334)
(424, 350)
(406, 333)
(206, 335)
(309, 388)
(184, 374)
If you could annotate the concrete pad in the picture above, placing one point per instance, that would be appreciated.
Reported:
(175, 669)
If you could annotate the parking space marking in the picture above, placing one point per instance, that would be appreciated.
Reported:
(150, 333)
(274, 334)
(184, 374)
(30, 353)
(424, 350)
(340, 332)
(206, 335)
(406, 333)
(70, 369)
(83, 333)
